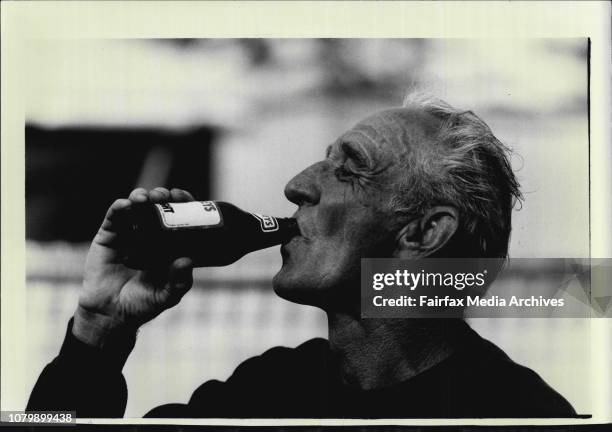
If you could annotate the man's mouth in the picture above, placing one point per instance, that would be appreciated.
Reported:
(302, 228)
(291, 228)
(299, 237)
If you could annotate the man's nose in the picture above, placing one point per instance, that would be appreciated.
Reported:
(304, 188)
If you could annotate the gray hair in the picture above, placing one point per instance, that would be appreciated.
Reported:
(468, 168)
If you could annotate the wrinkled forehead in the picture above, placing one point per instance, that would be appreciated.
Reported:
(396, 129)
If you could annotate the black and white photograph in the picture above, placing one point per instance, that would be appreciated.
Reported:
(197, 209)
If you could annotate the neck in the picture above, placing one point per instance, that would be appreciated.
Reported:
(376, 353)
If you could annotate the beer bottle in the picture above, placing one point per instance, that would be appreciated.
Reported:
(211, 233)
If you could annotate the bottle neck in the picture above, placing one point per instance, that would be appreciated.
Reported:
(274, 231)
(289, 227)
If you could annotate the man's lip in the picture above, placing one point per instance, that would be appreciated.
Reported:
(295, 234)
(292, 243)
(302, 232)
(289, 244)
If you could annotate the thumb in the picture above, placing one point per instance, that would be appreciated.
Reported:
(180, 280)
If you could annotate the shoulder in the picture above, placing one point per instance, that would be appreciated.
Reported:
(283, 359)
(316, 346)
(259, 386)
(508, 388)
(531, 394)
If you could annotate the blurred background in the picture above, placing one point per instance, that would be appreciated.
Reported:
(235, 119)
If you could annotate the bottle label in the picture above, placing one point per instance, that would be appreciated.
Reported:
(267, 223)
(189, 214)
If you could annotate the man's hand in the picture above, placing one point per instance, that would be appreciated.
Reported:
(116, 298)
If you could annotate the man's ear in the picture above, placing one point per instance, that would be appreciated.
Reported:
(428, 234)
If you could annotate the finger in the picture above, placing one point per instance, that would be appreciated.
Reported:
(108, 234)
(116, 208)
(180, 280)
(159, 194)
(180, 195)
(139, 195)
(156, 277)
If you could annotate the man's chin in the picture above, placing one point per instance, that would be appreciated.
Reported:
(296, 291)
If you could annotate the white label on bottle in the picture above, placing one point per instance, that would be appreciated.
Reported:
(189, 214)
(268, 223)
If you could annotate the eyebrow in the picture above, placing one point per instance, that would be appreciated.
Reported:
(356, 152)
(352, 151)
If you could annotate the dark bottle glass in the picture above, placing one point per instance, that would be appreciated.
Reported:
(211, 233)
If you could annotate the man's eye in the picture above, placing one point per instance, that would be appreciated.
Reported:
(343, 173)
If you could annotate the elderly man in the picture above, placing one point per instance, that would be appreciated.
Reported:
(424, 180)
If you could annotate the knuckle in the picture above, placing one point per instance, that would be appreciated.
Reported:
(161, 191)
(174, 297)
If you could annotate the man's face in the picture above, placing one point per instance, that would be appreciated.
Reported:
(344, 210)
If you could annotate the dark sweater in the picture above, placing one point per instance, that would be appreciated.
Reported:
(478, 380)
